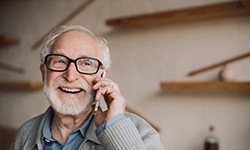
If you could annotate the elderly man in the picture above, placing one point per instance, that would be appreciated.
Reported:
(73, 64)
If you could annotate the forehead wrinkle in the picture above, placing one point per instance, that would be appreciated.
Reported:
(58, 51)
(62, 52)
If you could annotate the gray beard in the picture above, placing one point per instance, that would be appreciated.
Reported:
(69, 106)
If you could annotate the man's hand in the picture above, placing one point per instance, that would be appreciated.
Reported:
(115, 101)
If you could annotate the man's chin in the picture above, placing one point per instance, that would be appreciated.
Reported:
(73, 110)
(70, 112)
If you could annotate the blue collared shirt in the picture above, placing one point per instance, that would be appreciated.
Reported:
(76, 137)
(74, 140)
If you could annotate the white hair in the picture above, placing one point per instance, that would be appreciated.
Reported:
(58, 31)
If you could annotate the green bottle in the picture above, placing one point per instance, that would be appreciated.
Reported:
(211, 140)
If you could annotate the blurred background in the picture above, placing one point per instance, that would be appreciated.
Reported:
(153, 56)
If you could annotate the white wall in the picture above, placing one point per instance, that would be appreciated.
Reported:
(142, 58)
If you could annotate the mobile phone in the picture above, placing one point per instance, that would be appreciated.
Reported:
(97, 104)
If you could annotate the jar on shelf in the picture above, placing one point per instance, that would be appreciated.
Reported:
(211, 140)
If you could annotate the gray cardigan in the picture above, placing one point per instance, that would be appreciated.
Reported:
(131, 133)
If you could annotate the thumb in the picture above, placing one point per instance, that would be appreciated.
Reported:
(99, 117)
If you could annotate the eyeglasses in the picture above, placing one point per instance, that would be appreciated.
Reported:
(84, 65)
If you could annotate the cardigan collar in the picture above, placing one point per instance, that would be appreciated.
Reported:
(37, 144)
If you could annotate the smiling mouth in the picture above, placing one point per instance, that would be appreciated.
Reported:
(71, 90)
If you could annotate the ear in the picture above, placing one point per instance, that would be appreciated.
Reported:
(42, 71)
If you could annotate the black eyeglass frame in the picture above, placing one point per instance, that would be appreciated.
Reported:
(100, 64)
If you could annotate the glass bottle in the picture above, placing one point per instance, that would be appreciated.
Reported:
(211, 140)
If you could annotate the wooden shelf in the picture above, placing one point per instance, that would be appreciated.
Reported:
(226, 9)
(21, 85)
(222, 63)
(213, 85)
(8, 40)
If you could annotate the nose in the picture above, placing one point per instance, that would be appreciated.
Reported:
(71, 74)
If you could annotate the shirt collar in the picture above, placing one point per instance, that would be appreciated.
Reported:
(83, 129)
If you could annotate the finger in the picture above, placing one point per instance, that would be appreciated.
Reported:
(106, 91)
(99, 117)
(98, 95)
(101, 82)
(97, 85)
(101, 92)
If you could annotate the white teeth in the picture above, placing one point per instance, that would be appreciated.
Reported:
(71, 90)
